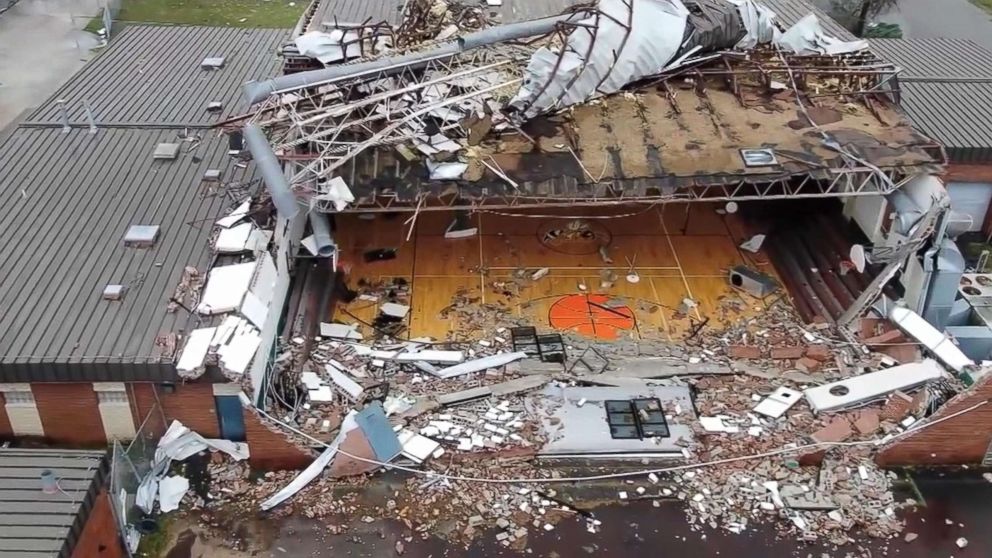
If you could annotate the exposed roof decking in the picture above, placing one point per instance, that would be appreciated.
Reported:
(150, 76)
(66, 201)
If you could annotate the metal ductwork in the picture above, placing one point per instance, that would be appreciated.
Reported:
(321, 228)
(257, 91)
(272, 174)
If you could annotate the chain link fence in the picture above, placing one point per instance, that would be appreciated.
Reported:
(130, 464)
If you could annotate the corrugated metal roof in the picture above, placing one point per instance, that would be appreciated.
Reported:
(791, 11)
(356, 11)
(36, 524)
(151, 75)
(66, 201)
(932, 59)
(957, 114)
(946, 89)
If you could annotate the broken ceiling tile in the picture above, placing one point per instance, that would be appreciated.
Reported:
(234, 240)
(780, 401)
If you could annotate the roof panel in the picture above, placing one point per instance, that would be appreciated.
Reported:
(66, 200)
(953, 113)
(935, 59)
(151, 74)
(35, 521)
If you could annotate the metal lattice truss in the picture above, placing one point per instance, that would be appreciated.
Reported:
(854, 181)
(426, 106)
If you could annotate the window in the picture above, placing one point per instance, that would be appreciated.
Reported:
(636, 419)
(19, 397)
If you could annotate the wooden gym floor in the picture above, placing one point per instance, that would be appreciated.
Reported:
(679, 251)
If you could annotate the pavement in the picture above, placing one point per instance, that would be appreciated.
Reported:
(928, 19)
(41, 44)
(956, 19)
(956, 506)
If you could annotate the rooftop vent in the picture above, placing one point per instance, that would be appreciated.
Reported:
(141, 236)
(215, 106)
(113, 292)
(212, 175)
(212, 63)
(758, 157)
(166, 151)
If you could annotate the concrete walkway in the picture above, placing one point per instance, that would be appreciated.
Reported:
(956, 19)
(41, 44)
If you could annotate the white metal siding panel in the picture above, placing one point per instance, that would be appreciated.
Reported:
(24, 419)
(972, 199)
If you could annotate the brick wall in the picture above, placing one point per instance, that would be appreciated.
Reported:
(99, 537)
(70, 414)
(271, 450)
(959, 440)
(191, 404)
(6, 432)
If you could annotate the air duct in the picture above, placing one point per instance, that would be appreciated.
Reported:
(257, 91)
(272, 174)
(321, 228)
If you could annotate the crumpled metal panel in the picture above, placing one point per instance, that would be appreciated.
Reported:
(628, 41)
(808, 37)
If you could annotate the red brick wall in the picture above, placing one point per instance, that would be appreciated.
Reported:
(99, 537)
(70, 413)
(191, 404)
(271, 450)
(959, 440)
(6, 432)
(968, 173)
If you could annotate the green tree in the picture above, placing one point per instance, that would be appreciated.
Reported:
(855, 15)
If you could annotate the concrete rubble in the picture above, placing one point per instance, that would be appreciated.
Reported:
(467, 424)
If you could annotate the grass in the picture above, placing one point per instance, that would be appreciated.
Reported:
(983, 4)
(157, 544)
(224, 13)
(96, 24)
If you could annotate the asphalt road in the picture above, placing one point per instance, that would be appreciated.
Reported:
(955, 507)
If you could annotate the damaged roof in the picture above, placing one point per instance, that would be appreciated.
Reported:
(151, 75)
(946, 89)
(621, 111)
(68, 199)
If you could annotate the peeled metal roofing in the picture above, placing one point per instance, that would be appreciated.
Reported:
(150, 75)
(66, 202)
(36, 524)
(935, 59)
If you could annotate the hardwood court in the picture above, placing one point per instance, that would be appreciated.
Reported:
(679, 251)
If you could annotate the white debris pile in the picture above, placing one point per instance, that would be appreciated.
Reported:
(482, 425)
